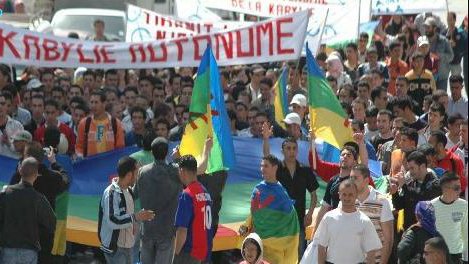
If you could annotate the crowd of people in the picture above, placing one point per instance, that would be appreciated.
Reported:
(393, 90)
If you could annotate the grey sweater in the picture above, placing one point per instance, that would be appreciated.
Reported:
(158, 187)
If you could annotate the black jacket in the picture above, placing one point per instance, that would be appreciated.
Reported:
(411, 193)
(23, 211)
(410, 248)
(50, 182)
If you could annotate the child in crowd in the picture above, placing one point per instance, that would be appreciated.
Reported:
(252, 250)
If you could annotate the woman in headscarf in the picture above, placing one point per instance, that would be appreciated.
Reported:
(411, 247)
(336, 70)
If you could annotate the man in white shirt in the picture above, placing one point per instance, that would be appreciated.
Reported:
(8, 126)
(457, 103)
(451, 217)
(377, 207)
(257, 73)
(346, 235)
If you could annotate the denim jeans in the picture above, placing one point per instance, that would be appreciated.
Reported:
(120, 256)
(136, 249)
(18, 255)
(157, 250)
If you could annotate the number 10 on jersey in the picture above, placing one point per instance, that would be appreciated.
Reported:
(207, 211)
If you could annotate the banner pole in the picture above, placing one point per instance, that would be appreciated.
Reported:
(359, 14)
(322, 30)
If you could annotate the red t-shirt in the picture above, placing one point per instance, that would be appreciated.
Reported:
(64, 129)
(452, 163)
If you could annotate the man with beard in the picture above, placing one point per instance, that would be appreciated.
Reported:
(441, 48)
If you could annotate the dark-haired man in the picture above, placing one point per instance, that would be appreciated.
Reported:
(158, 187)
(98, 26)
(446, 159)
(193, 217)
(116, 214)
(273, 212)
(422, 186)
(297, 179)
(451, 216)
(99, 132)
(457, 103)
(384, 122)
(134, 137)
(8, 126)
(377, 207)
(52, 112)
(348, 159)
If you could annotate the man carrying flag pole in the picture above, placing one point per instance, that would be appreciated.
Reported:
(209, 118)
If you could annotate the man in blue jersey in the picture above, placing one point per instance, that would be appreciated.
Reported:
(193, 217)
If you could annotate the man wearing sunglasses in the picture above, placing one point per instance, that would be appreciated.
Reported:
(451, 217)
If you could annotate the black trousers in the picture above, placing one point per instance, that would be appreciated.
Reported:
(215, 184)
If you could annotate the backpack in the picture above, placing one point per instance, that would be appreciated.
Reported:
(87, 130)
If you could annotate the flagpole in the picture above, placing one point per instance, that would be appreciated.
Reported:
(322, 31)
(313, 149)
(359, 14)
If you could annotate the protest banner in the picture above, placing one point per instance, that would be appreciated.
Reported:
(146, 25)
(342, 24)
(392, 7)
(265, 8)
(193, 11)
(277, 39)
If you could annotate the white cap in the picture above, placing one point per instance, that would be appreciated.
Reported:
(78, 73)
(292, 118)
(299, 99)
(422, 40)
(33, 84)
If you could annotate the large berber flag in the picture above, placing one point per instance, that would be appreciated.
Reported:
(329, 121)
(208, 118)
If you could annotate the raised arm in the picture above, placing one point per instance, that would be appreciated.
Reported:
(266, 134)
(202, 167)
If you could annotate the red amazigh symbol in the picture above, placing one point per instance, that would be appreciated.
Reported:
(204, 117)
(346, 122)
(256, 203)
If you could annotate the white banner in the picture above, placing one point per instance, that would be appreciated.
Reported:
(391, 7)
(192, 10)
(341, 25)
(146, 25)
(279, 39)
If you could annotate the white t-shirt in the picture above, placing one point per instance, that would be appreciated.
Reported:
(127, 235)
(347, 236)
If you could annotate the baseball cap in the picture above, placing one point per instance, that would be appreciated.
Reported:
(430, 21)
(292, 118)
(33, 84)
(23, 136)
(422, 40)
(299, 99)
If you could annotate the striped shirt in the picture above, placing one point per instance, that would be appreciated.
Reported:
(451, 223)
(378, 208)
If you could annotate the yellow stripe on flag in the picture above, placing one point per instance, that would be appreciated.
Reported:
(195, 134)
(330, 127)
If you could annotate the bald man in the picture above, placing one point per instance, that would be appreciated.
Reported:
(23, 211)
